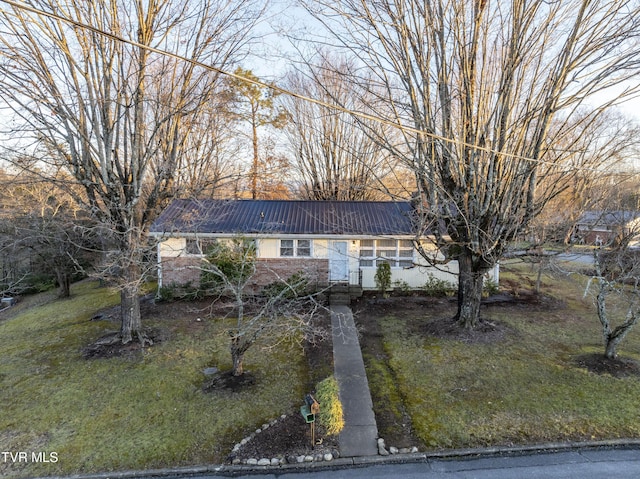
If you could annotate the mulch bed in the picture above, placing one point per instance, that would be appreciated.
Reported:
(617, 367)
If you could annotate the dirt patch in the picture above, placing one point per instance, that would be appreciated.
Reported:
(486, 332)
(372, 306)
(286, 438)
(618, 367)
(110, 345)
(227, 381)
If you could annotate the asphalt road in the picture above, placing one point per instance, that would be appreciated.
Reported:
(576, 464)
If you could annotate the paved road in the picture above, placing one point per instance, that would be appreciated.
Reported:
(585, 259)
(586, 464)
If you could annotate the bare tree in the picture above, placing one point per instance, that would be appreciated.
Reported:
(617, 274)
(284, 310)
(48, 229)
(86, 80)
(334, 157)
(484, 91)
(208, 166)
(601, 151)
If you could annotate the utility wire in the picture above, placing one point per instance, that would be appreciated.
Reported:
(274, 87)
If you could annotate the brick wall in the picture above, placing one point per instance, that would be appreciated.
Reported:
(182, 270)
(269, 269)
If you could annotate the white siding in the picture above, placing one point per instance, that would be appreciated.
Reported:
(267, 248)
(172, 247)
(321, 248)
(415, 277)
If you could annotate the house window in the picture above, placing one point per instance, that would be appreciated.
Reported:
(295, 248)
(397, 253)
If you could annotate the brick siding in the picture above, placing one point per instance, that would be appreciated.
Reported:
(180, 271)
(269, 270)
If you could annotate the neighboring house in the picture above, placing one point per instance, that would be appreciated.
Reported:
(332, 241)
(602, 227)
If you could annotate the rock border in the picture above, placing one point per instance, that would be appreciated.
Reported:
(301, 459)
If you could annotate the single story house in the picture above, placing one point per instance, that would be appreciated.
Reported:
(602, 227)
(331, 241)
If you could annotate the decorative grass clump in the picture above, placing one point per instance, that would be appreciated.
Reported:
(330, 416)
(133, 412)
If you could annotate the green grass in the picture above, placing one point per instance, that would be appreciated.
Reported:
(525, 388)
(126, 413)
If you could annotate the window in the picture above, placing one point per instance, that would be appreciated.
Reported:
(298, 248)
(397, 253)
(304, 248)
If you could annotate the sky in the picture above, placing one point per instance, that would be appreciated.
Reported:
(284, 17)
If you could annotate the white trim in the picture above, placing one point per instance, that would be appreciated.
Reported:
(327, 236)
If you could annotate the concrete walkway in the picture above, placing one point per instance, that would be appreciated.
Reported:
(360, 434)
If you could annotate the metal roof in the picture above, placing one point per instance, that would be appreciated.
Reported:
(608, 218)
(285, 217)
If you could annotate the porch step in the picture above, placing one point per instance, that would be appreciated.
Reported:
(342, 293)
(339, 298)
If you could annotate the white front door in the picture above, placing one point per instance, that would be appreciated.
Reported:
(338, 261)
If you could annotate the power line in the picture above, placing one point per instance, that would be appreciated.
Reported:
(277, 88)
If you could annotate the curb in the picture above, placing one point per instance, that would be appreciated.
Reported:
(362, 461)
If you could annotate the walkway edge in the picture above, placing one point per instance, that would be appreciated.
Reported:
(359, 436)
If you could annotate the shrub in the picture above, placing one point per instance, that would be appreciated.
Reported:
(383, 277)
(230, 263)
(490, 287)
(402, 287)
(295, 285)
(330, 415)
(438, 287)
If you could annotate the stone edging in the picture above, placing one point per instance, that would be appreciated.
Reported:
(301, 459)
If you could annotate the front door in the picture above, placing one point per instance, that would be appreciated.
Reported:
(338, 261)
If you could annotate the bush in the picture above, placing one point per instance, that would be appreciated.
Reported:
(39, 283)
(438, 287)
(490, 287)
(383, 278)
(295, 285)
(402, 287)
(330, 416)
(231, 262)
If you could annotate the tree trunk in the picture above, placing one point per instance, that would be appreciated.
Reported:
(469, 292)
(256, 157)
(611, 347)
(237, 356)
(64, 283)
(131, 326)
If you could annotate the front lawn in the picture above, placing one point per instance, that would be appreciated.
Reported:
(144, 410)
(521, 384)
